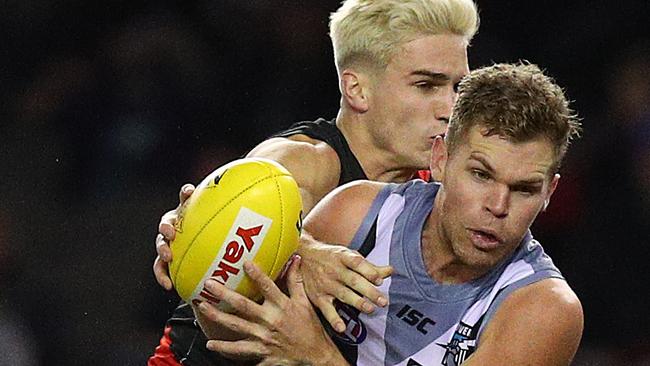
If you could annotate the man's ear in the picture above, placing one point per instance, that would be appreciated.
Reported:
(438, 159)
(355, 89)
(554, 182)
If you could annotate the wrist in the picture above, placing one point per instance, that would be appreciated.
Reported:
(330, 355)
(331, 359)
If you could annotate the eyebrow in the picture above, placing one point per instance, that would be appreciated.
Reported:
(481, 160)
(490, 169)
(436, 76)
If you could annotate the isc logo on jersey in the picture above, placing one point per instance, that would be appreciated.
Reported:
(241, 244)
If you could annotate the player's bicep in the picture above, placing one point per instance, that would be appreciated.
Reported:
(338, 216)
(540, 324)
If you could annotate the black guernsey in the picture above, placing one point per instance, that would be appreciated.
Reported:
(187, 341)
(327, 132)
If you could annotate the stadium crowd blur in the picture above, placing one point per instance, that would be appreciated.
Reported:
(108, 107)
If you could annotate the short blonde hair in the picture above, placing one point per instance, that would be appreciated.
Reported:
(370, 31)
(515, 101)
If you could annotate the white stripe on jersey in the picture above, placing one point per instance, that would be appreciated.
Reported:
(433, 353)
(373, 350)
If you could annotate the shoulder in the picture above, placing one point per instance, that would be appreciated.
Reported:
(297, 148)
(338, 216)
(551, 300)
(313, 163)
(546, 315)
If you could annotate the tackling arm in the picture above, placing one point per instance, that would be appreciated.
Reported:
(313, 164)
(330, 271)
(287, 326)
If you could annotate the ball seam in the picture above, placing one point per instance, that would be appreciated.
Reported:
(277, 253)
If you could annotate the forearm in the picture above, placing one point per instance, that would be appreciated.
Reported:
(299, 362)
(334, 360)
(330, 356)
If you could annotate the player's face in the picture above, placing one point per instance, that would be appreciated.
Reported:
(493, 191)
(411, 100)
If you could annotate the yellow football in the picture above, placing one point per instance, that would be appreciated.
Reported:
(247, 210)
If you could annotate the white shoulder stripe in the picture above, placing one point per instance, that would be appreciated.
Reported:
(513, 273)
(392, 208)
(373, 350)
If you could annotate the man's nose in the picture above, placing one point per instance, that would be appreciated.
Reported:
(446, 105)
(498, 202)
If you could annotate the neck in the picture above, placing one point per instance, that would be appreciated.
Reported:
(378, 164)
(440, 260)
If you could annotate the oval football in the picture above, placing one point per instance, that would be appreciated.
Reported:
(247, 210)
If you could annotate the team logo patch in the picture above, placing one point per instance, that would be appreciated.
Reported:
(461, 345)
(355, 331)
(532, 245)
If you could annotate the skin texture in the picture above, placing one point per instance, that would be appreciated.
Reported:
(402, 108)
(490, 195)
(543, 316)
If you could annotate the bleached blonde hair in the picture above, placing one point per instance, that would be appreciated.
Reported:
(369, 32)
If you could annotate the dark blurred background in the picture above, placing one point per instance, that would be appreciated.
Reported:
(109, 107)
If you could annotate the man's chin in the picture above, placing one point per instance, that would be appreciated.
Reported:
(476, 259)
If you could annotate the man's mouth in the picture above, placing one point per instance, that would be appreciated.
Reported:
(484, 239)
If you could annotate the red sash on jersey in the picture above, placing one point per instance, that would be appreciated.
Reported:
(425, 175)
(163, 355)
